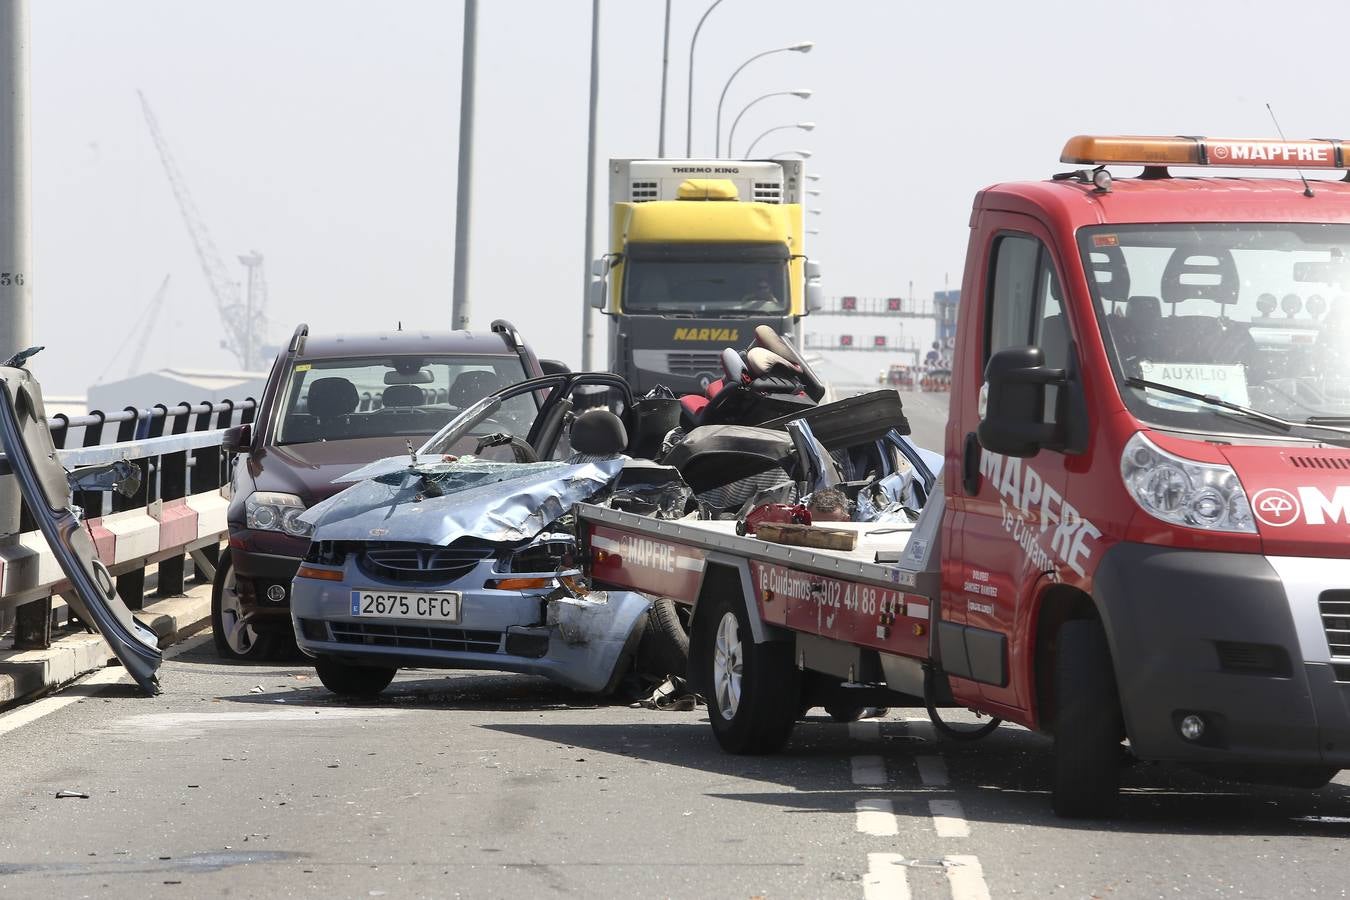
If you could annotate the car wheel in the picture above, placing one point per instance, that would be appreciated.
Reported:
(353, 681)
(234, 638)
(1089, 725)
(664, 649)
(754, 690)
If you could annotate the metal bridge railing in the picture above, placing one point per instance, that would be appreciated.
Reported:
(178, 511)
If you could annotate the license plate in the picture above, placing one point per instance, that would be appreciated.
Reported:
(443, 607)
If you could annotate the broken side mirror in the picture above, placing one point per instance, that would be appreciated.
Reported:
(237, 439)
(1014, 420)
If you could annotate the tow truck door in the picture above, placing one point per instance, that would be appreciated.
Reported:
(1010, 507)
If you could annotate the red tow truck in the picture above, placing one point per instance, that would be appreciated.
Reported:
(1143, 527)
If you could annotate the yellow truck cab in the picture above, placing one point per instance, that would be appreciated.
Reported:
(700, 252)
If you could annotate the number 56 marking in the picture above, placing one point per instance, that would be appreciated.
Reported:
(6, 279)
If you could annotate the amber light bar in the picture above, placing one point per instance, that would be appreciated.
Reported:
(1086, 149)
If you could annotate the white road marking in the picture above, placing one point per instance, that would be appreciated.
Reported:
(31, 712)
(869, 770)
(886, 878)
(965, 876)
(932, 770)
(866, 730)
(949, 819)
(188, 645)
(876, 816)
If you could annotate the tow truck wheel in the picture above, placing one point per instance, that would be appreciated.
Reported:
(1089, 725)
(234, 639)
(353, 681)
(753, 689)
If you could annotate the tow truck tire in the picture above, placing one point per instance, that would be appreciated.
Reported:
(664, 649)
(234, 643)
(1089, 725)
(353, 681)
(754, 692)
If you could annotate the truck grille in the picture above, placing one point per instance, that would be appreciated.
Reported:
(692, 364)
(421, 564)
(416, 637)
(1335, 609)
(642, 191)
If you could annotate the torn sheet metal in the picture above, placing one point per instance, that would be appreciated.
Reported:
(43, 481)
(591, 632)
(442, 502)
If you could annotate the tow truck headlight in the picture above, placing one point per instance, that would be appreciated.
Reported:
(270, 511)
(1184, 492)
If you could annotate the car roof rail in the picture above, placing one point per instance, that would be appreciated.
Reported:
(298, 339)
(508, 333)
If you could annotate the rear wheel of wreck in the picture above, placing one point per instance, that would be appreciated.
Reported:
(753, 694)
(664, 650)
(234, 638)
(353, 681)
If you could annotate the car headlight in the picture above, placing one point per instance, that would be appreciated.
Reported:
(1185, 492)
(270, 511)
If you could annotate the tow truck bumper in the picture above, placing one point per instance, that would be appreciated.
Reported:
(1235, 639)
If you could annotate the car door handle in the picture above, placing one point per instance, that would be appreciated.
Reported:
(970, 465)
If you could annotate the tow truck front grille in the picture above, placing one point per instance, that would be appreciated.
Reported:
(692, 364)
(419, 563)
(417, 637)
(1319, 462)
(1335, 609)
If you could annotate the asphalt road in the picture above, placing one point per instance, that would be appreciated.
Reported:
(256, 782)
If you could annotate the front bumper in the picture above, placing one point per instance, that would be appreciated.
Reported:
(1234, 638)
(578, 642)
(262, 560)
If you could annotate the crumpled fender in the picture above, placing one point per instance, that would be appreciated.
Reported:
(594, 631)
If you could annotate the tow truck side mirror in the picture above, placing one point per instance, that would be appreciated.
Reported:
(1014, 420)
(815, 301)
(237, 439)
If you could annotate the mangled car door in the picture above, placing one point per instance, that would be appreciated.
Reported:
(32, 457)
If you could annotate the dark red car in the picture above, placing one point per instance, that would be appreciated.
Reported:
(331, 405)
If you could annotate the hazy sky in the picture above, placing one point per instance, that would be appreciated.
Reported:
(323, 134)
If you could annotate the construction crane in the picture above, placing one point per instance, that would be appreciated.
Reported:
(243, 318)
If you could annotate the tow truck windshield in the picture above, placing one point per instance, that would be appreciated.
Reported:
(705, 280)
(1254, 314)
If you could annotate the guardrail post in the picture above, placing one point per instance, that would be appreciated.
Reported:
(204, 476)
(131, 585)
(173, 486)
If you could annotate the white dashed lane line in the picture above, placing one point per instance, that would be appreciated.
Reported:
(965, 877)
(949, 819)
(886, 878)
(932, 770)
(869, 771)
(876, 816)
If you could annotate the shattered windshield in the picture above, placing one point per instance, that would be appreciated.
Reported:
(1255, 314)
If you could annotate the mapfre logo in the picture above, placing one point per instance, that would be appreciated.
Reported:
(1276, 507)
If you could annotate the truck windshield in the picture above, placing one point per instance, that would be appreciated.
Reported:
(705, 280)
(1254, 314)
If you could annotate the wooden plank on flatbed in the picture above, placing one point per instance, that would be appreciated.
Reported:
(807, 536)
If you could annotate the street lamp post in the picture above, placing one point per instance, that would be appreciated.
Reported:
(799, 47)
(689, 104)
(804, 93)
(804, 154)
(804, 126)
(589, 241)
(459, 297)
(665, 70)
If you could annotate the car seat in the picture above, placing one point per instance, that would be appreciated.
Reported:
(403, 395)
(596, 435)
(329, 401)
(470, 387)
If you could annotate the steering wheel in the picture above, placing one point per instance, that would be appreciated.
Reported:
(522, 451)
(773, 341)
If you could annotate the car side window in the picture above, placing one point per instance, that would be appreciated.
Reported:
(1012, 293)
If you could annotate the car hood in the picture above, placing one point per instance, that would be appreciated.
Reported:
(31, 455)
(310, 470)
(438, 503)
(1299, 495)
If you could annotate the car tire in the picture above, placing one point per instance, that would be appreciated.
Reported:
(1089, 725)
(353, 681)
(664, 650)
(234, 642)
(754, 693)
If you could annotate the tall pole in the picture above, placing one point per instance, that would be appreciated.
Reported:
(665, 71)
(689, 105)
(586, 335)
(16, 247)
(16, 256)
(459, 303)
